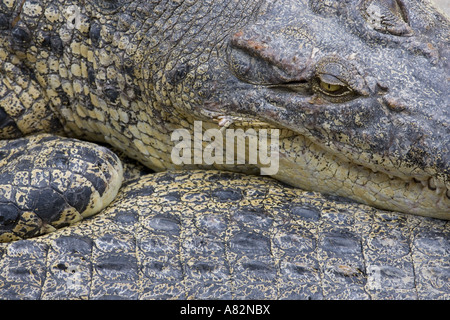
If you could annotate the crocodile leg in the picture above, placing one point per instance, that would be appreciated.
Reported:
(47, 182)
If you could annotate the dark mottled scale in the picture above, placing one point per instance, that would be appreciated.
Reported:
(115, 270)
(8, 124)
(9, 215)
(54, 187)
(4, 21)
(78, 197)
(94, 33)
(48, 204)
(306, 213)
(56, 44)
(20, 35)
(69, 269)
(23, 270)
(148, 247)
(227, 195)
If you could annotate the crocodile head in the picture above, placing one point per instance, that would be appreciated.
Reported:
(364, 87)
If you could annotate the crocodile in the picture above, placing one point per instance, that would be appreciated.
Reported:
(358, 91)
(221, 235)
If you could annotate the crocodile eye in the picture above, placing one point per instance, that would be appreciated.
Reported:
(330, 87)
(336, 80)
(332, 91)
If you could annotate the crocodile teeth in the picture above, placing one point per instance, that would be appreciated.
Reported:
(431, 184)
(422, 182)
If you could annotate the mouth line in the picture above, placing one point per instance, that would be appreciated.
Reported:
(426, 181)
(433, 184)
(311, 167)
(392, 187)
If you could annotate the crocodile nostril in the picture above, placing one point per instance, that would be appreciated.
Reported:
(395, 104)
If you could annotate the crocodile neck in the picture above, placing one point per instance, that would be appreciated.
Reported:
(118, 76)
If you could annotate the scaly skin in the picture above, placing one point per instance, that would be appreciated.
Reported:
(221, 235)
(359, 88)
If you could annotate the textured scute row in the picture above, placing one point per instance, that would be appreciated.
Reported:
(182, 235)
(47, 182)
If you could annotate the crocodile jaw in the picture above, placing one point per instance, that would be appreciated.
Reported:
(307, 165)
